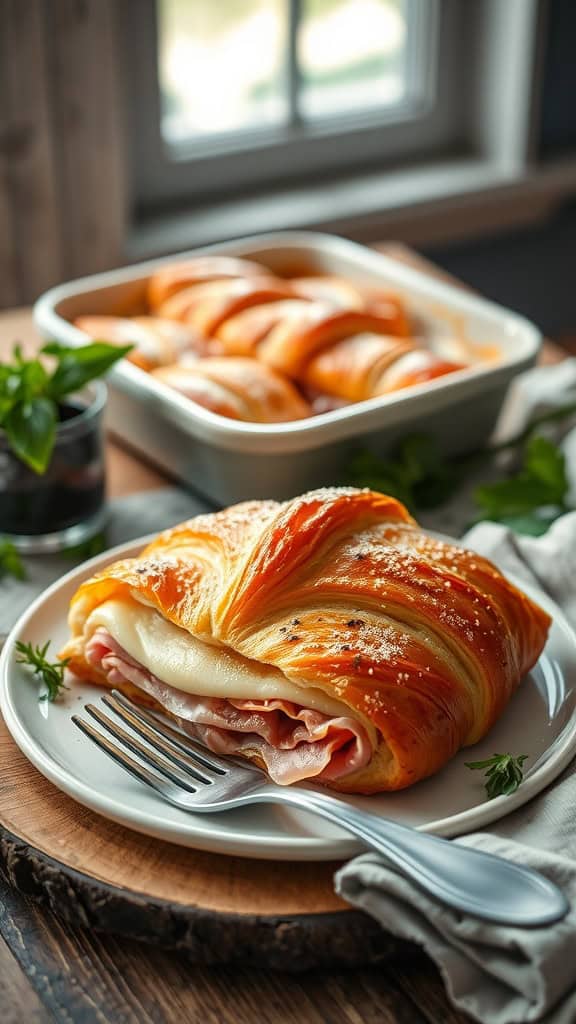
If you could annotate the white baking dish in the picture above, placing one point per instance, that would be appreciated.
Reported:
(229, 461)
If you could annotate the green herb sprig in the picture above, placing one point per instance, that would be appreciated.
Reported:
(10, 562)
(419, 475)
(532, 499)
(416, 473)
(30, 394)
(51, 673)
(503, 773)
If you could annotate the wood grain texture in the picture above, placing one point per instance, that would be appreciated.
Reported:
(18, 999)
(88, 131)
(81, 977)
(219, 909)
(62, 158)
(28, 169)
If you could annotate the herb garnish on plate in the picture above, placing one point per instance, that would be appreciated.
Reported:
(503, 773)
(51, 673)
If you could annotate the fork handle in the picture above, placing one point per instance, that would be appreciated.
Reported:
(468, 880)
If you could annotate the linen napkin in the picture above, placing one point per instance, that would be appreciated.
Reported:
(499, 974)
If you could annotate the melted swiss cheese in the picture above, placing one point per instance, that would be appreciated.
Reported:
(189, 664)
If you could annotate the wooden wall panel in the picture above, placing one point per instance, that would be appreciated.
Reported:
(88, 131)
(29, 190)
(62, 195)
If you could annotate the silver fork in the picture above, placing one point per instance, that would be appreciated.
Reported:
(191, 777)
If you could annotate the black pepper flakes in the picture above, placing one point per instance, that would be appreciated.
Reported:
(360, 556)
(295, 622)
(293, 638)
(357, 660)
(355, 623)
(345, 647)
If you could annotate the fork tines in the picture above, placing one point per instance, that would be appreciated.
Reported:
(174, 756)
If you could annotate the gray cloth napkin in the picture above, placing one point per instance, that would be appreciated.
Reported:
(130, 517)
(497, 974)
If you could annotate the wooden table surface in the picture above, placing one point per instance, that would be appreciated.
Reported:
(49, 971)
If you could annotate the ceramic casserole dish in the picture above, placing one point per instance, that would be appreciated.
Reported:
(227, 460)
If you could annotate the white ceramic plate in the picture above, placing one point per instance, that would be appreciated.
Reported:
(540, 721)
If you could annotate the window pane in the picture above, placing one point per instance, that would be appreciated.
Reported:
(221, 66)
(352, 55)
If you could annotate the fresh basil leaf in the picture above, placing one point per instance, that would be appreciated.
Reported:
(31, 428)
(33, 378)
(78, 366)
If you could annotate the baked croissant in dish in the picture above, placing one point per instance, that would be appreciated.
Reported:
(205, 306)
(175, 276)
(335, 340)
(241, 389)
(339, 292)
(156, 341)
(326, 637)
(335, 290)
(367, 365)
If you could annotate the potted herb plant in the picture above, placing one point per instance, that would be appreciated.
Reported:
(51, 445)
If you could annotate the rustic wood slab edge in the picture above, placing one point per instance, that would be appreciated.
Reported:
(96, 874)
(292, 943)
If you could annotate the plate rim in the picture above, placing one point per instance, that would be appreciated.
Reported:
(208, 837)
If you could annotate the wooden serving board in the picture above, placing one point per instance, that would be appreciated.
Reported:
(95, 873)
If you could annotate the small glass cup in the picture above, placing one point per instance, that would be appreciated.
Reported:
(66, 505)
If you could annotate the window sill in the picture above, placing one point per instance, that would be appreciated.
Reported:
(440, 202)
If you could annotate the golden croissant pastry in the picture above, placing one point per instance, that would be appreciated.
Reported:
(241, 389)
(156, 341)
(293, 342)
(206, 306)
(326, 637)
(339, 292)
(334, 290)
(367, 365)
(175, 276)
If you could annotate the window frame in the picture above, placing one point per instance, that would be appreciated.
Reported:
(431, 119)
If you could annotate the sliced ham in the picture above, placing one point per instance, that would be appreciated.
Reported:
(294, 742)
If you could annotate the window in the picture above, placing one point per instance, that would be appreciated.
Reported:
(234, 66)
(236, 95)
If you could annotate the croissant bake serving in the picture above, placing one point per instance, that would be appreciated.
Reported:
(327, 637)
(333, 340)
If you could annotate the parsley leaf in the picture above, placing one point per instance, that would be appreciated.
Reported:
(541, 484)
(416, 473)
(503, 775)
(51, 673)
(10, 562)
(87, 548)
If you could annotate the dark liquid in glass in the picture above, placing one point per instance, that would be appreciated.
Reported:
(71, 490)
